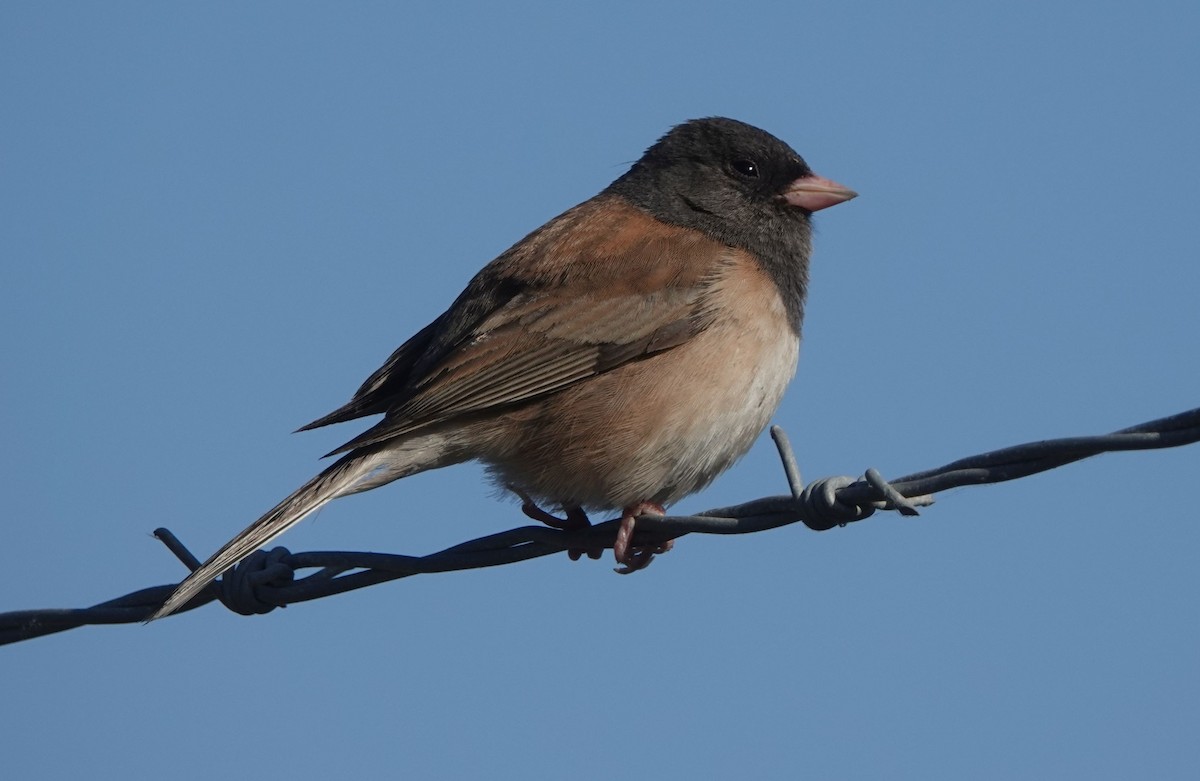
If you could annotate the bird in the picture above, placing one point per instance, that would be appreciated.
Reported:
(618, 358)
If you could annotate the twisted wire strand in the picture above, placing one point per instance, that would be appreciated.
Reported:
(266, 579)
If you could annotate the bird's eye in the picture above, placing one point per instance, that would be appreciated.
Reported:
(746, 168)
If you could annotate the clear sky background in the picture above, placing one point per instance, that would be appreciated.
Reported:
(218, 219)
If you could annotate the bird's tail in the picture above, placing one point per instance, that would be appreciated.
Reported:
(357, 471)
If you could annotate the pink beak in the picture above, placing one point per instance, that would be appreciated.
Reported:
(816, 192)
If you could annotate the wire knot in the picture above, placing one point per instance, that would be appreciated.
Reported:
(239, 585)
(821, 508)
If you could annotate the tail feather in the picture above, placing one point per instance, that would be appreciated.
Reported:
(346, 476)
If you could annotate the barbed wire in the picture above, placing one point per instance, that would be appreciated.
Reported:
(266, 579)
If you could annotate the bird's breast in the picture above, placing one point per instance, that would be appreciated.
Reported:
(663, 427)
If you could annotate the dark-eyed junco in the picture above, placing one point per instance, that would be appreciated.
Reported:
(619, 357)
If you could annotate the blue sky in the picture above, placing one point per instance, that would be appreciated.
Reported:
(219, 218)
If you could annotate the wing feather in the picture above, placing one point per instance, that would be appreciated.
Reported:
(620, 289)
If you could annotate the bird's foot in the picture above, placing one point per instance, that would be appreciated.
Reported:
(576, 519)
(636, 557)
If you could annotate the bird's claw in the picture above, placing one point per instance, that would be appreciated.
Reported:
(636, 557)
(576, 520)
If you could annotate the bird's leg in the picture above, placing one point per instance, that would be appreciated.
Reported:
(633, 558)
(576, 519)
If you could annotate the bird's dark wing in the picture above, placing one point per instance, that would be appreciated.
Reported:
(378, 392)
(600, 286)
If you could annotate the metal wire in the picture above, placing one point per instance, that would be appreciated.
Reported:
(266, 579)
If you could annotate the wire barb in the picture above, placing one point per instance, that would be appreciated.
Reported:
(790, 467)
(266, 579)
(894, 500)
(166, 537)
